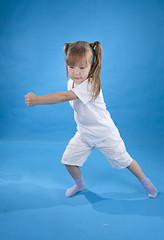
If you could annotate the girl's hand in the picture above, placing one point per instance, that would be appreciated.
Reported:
(30, 99)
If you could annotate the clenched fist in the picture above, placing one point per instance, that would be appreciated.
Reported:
(30, 99)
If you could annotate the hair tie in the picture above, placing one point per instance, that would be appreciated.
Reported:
(70, 44)
(93, 44)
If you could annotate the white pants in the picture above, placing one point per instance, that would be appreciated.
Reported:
(114, 150)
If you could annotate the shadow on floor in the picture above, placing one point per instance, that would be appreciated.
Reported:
(127, 204)
(27, 196)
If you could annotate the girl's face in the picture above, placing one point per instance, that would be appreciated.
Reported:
(79, 72)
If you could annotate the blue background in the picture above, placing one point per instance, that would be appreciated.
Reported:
(32, 140)
(32, 35)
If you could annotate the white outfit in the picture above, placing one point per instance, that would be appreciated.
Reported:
(95, 128)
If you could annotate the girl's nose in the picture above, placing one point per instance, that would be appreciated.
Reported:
(76, 71)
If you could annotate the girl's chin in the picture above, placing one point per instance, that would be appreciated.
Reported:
(78, 81)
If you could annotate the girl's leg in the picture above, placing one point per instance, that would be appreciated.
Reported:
(74, 171)
(79, 183)
(75, 155)
(146, 183)
(135, 168)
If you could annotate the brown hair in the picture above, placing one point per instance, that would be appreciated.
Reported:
(92, 53)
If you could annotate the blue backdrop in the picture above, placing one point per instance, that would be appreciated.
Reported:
(32, 140)
(32, 35)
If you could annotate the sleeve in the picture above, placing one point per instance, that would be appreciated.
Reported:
(83, 92)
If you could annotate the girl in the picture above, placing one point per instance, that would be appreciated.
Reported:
(95, 127)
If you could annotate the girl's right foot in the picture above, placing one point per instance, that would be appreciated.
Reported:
(78, 187)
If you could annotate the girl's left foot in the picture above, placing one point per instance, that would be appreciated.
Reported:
(149, 187)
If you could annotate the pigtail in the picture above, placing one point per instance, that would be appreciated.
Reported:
(94, 76)
(66, 47)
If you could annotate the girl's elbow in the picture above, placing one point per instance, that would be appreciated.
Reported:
(69, 95)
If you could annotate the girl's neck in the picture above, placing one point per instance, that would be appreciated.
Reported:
(75, 84)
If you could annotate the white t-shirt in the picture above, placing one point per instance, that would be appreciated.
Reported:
(94, 122)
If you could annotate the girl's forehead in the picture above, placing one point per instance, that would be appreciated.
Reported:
(78, 60)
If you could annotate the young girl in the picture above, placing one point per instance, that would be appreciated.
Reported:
(95, 127)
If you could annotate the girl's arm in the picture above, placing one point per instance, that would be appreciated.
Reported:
(31, 99)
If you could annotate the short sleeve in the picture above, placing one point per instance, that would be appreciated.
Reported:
(83, 92)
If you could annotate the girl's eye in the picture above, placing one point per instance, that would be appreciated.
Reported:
(72, 67)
